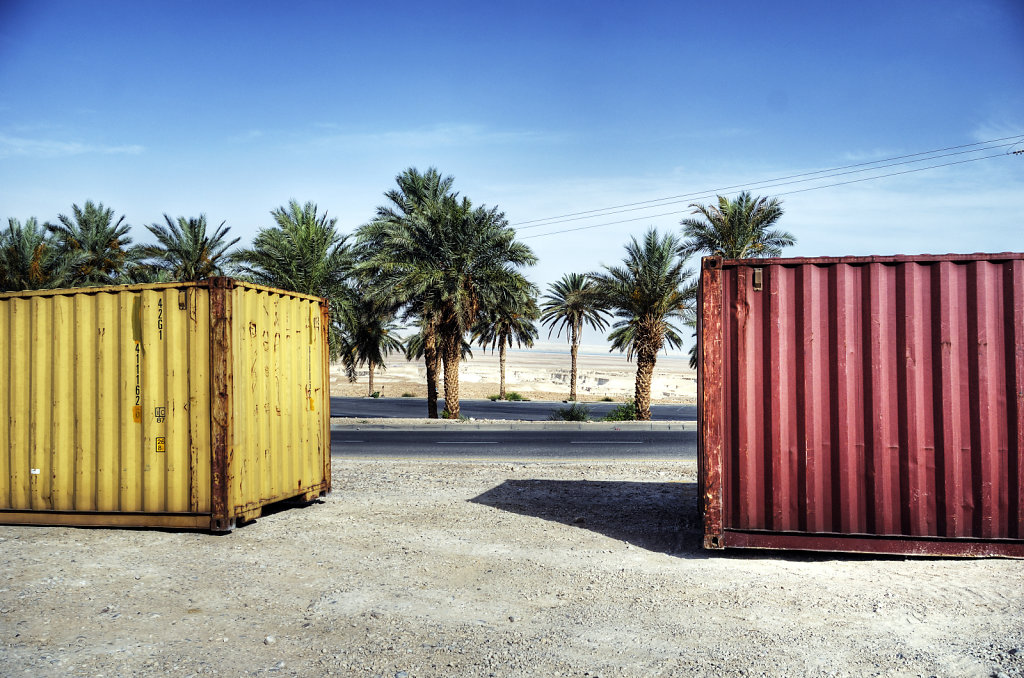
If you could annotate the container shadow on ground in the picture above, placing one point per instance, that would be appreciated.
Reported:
(661, 517)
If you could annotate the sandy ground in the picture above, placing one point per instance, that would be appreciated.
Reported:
(491, 569)
(534, 374)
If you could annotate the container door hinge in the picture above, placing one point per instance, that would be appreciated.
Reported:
(758, 279)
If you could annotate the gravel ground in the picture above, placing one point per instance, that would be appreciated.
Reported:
(490, 569)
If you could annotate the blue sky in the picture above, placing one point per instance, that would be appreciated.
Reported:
(543, 108)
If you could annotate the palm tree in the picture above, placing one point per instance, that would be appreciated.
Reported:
(423, 345)
(736, 229)
(30, 258)
(146, 272)
(649, 290)
(418, 196)
(479, 272)
(186, 251)
(450, 261)
(303, 253)
(416, 349)
(509, 323)
(100, 244)
(372, 337)
(569, 304)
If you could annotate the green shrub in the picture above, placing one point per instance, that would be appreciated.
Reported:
(574, 412)
(624, 412)
(445, 414)
(408, 395)
(511, 395)
(375, 394)
(607, 399)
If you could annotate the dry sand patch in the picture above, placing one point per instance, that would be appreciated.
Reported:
(535, 374)
(477, 568)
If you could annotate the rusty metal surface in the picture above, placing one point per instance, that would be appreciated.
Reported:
(119, 403)
(878, 544)
(325, 428)
(279, 407)
(95, 411)
(221, 390)
(109, 519)
(864, 397)
(709, 396)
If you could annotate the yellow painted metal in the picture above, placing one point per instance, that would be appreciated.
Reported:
(280, 397)
(109, 412)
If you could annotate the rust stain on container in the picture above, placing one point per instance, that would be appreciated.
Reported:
(135, 405)
(867, 404)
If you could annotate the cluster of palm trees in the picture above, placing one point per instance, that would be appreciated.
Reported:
(428, 260)
(652, 290)
(435, 258)
(92, 247)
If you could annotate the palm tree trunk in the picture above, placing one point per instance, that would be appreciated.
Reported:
(432, 359)
(369, 390)
(436, 380)
(573, 350)
(501, 363)
(645, 361)
(452, 351)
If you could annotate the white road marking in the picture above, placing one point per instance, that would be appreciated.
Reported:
(606, 442)
(465, 442)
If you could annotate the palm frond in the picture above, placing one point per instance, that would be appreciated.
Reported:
(650, 290)
(736, 229)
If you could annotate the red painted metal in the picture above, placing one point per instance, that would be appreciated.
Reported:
(863, 403)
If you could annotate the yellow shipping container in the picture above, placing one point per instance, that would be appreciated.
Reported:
(166, 405)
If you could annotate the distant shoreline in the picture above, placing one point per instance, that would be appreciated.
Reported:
(539, 374)
(595, 354)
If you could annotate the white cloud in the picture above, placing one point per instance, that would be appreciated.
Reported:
(717, 133)
(997, 130)
(249, 135)
(49, 148)
(438, 136)
(870, 156)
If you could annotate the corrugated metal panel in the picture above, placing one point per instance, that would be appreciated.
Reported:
(844, 400)
(110, 409)
(279, 357)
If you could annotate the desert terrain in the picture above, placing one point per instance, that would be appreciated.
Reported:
(538, 375)
(461, 568)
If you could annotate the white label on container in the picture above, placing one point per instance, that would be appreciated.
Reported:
(35, 471)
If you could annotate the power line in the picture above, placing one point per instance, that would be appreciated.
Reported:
(799, 190)
(767, 185)
(770, 183)
(714, 191)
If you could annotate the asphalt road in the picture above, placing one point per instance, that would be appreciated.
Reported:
(485, 409)
(520, 445)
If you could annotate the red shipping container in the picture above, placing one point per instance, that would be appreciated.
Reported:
(868, 404)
